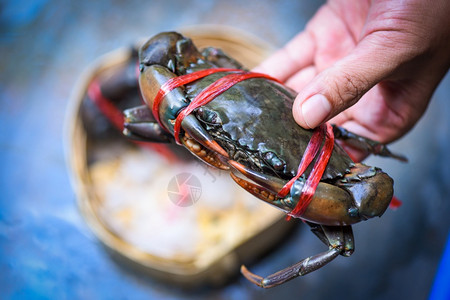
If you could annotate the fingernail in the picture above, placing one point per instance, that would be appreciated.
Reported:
(315, 110)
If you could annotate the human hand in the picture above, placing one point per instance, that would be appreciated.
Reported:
(369, 66)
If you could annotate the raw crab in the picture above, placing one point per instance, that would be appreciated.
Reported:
(248, 128)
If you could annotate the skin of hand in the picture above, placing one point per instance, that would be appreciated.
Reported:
(369, 66)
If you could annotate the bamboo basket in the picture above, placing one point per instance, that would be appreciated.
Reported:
(208, 267)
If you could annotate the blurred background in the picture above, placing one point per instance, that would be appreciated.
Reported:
(47, 250)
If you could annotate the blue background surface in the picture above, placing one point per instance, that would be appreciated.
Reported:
(46, 249)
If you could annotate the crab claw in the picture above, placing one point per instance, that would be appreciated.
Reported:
(194, 129)
(198, 141)
(266, 186)
(263, 186)
(331, 205)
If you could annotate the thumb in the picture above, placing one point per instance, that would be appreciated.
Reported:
(343, 84)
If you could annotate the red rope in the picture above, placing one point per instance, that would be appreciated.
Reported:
(175, 82)
(310, 186)
(308, 156)
(108, 109)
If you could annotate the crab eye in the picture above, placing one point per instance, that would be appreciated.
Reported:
(208, 116)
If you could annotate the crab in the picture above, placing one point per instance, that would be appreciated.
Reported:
(248, 129)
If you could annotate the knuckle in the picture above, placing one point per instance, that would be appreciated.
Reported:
(349, 89)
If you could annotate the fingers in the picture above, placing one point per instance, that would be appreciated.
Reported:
(300, 79)
(343, 84)
(295, 55)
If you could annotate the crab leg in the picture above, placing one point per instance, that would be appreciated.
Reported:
(365, 144)
(318, 231)
(141, 125)
(338, 239)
